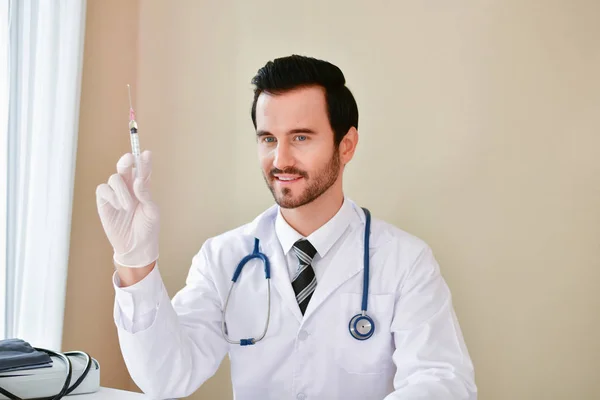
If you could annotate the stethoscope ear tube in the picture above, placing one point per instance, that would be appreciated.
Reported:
(255, 254)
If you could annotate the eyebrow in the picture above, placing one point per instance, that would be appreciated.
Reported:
(260, 133)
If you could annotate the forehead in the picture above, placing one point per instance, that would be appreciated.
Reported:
(304, 107)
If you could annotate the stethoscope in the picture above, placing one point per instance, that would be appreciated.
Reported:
(361, 326)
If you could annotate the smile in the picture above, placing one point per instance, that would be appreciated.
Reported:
(287, 179)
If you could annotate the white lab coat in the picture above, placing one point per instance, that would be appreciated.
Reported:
(416, 352)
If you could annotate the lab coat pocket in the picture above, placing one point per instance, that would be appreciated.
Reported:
(373, 355)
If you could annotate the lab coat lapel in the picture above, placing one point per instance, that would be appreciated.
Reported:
(263, 228)
(281, 277)
(347, 263)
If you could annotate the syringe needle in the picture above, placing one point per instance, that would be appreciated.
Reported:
(129, 92)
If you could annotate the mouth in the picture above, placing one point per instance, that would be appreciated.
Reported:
(287, 180)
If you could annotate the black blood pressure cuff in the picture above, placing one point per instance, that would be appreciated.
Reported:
(16, 354)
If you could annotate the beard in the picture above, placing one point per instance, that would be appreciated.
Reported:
(321, 181)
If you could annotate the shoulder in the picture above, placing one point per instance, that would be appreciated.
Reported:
(241, 237)
(401, 255)
(385, 233)
(388, 241)
(219, 255)
(395, 242)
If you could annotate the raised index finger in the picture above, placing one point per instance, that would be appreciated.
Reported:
(125, 169)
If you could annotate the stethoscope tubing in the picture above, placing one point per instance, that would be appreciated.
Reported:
(353, 326)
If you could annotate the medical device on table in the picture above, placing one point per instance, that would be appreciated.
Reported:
(361, 326)
(133, 133)
(27, 372)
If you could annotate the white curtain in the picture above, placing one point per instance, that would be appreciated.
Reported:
(3, 154)
(45, 63)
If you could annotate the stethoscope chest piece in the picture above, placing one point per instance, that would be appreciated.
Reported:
(361, 327)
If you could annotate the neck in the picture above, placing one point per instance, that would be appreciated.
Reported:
(310, 217)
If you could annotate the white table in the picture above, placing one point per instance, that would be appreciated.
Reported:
(108, 394)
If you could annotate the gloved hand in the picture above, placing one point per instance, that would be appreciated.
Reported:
(130, 218)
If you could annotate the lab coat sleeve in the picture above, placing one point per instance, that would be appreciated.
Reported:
(182, 345)
(431, 356)
(136, 304)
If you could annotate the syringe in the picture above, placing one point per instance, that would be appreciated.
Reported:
(133, 134)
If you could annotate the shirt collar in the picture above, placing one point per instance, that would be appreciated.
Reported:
(323, 238)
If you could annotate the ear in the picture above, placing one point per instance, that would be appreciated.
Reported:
(348, 145)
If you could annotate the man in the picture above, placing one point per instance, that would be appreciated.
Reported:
(408, 346)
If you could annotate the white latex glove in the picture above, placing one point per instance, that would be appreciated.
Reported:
(130, 219)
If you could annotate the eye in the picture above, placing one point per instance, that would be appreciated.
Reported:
(301, 138)
(269, 139)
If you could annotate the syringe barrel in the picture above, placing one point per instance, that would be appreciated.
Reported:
(135, 143)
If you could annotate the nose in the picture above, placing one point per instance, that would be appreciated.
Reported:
(283, 157)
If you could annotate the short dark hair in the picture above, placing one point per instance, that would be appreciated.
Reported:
(295, 71)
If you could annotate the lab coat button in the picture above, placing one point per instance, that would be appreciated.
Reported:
(302, 335)
(301, 396)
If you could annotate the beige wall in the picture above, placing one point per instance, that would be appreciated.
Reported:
(479, 119)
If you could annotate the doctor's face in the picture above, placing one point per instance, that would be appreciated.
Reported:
(296, 145)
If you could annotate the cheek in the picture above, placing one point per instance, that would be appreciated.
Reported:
(316, 161)
(265, 157)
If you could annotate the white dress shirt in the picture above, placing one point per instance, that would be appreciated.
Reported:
(324, 239)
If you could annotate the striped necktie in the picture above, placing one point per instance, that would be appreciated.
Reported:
(305, 282)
